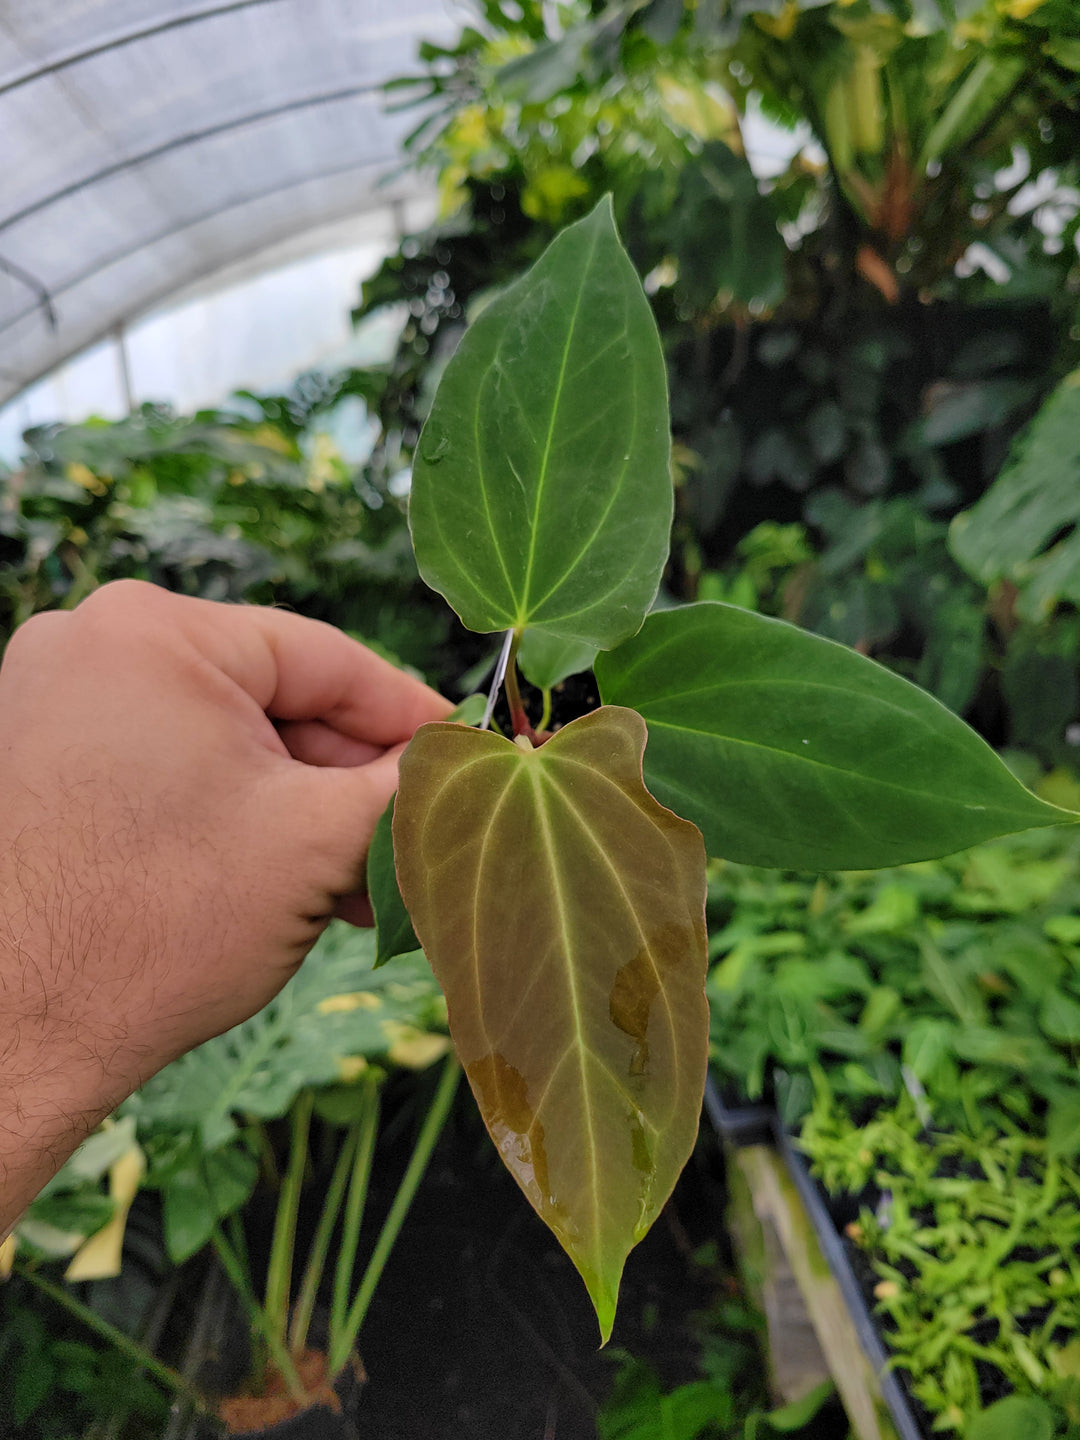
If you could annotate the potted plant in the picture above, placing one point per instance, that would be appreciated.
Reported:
(559, 901)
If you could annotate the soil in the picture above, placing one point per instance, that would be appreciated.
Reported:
(255, 1412)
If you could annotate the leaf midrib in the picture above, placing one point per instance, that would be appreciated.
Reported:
(523, 614)
(825, 765)
(551, 852)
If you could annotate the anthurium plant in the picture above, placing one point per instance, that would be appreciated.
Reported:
(556, 880)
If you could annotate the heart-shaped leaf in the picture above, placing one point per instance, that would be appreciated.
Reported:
(541, 494)
(789, 750)
(563, 912)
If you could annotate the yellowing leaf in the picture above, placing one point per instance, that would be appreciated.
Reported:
(350, 1068)
(343, 1004)
(411, 1048)
(562, 910)
(700, 107)
(7, 1255)
(100, 1257)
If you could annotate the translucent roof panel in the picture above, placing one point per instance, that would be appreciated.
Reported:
(148, 144)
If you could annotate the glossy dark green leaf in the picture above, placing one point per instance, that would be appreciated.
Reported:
(545, 659)
(789, 750)
(562, 910)
(541, 494)
(394, 934)
(1026, 528)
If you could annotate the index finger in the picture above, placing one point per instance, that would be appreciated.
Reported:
(301, 669)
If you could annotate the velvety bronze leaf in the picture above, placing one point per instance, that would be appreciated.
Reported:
(563, 912)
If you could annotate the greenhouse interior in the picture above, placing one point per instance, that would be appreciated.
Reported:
(629, 444)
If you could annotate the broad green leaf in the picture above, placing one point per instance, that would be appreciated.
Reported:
(203, 1189)
(541, 494)
(545, 659)
(394, 934)
(790, 750)
(562, 910)
(1026, 528)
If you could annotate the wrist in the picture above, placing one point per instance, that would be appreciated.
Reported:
(53, 1093)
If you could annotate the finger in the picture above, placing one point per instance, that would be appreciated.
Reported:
(315, 743)
(294, 668)
(319, 673)
(331, 814)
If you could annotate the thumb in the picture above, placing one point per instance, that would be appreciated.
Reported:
(326, 816)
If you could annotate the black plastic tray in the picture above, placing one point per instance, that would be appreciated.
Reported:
(760, 1124)
(746, 1124)
(832, 1247)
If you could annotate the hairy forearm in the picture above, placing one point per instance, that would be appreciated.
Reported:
(187, 794)
(45, 1113)
(58, 1077)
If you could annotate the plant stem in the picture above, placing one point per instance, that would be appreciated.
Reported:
(279, 1269)
(161, 1372)
(343, 1342)
(367, 1128)
(256, 1314)
(518, 718)
(320, 1246)
(545, 713)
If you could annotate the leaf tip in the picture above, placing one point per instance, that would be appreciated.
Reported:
(604, 1294)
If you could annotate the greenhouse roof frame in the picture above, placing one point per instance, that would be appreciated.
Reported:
(149, 146)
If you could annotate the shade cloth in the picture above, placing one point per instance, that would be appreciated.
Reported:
(145, 145)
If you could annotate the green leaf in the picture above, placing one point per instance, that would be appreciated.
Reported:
(1026, 528)
(562, 909)
(470, 711)
(637, 1408)
(719, 196)
(1017, 1417)
(789, 750)
(1059, 1017)
(394, 934)
(541, 494)
(201, 1191)
(800, 1412)
(926, 1045)
(1063, 1127)
(545, 659)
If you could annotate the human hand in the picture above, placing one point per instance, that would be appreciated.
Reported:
(187, 795)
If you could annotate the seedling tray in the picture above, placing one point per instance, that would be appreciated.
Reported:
(777, 1202)
(832, 1247)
